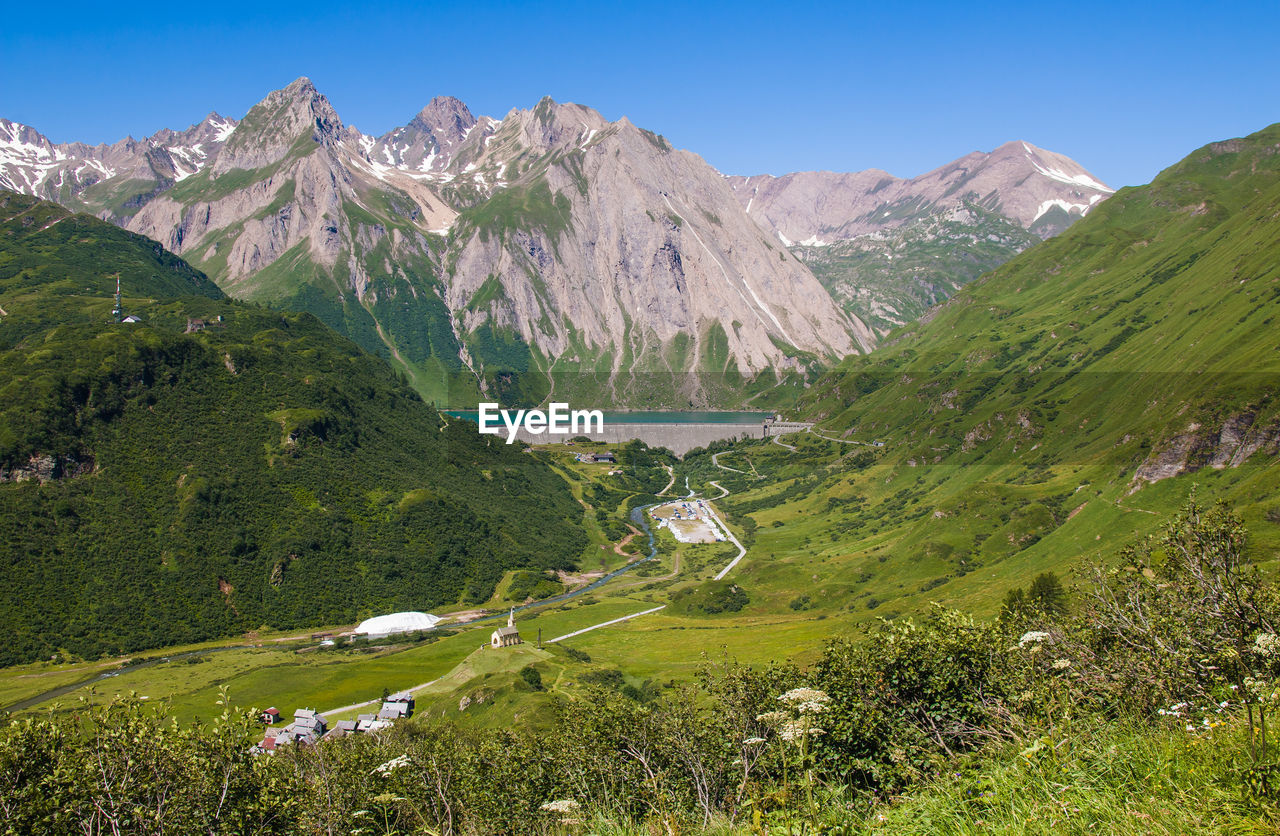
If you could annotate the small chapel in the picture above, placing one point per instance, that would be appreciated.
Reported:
(507, 636)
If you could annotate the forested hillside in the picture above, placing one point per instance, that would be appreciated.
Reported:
(218, 467)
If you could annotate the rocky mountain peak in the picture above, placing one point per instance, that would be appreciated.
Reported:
(552, 125)
(446, 118)
(301, 88)
(1041, 190)
(428, 142)
(16, 133)
(1037, 189)
(211, 130)
(278, 125)
(26, 157)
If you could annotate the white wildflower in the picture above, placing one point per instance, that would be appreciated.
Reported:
(1032, 637)
(391, 765)
(753, 741)
(773, 719)
(563, 805)
(806, 700)
(1266, 644)
(795, 730)
(1061, 664)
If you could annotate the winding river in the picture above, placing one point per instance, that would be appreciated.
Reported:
(638, 518)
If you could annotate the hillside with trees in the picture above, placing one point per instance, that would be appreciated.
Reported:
(218, 467)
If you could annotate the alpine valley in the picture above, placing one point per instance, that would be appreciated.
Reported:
(1007, 565)
(552, 251)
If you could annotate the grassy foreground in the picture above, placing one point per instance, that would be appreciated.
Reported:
(1042, 720)
(1121, 779)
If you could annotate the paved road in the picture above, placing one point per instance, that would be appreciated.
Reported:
(742, 550)
(841, 440)
(603, 624)
(715, 460)
(777, 439)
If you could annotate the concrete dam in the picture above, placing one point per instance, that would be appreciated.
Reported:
(678, 437)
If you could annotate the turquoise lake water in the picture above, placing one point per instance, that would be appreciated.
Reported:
(652, 417)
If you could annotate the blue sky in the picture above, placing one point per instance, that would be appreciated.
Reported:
(752, 87)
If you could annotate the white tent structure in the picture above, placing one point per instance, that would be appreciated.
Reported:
(397, 622)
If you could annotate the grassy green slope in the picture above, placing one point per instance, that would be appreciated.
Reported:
(162, 487)
(48, 250)
(1017, 419)
(890, 279)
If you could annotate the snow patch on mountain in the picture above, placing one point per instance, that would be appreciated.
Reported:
(224, 130)
(1063, 177)
(1082, 208)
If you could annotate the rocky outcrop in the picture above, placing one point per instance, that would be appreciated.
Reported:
(45, 468)
(1234, 443)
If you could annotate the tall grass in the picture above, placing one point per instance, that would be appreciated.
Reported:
(1120, 778)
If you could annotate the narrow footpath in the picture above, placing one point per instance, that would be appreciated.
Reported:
(672, 471)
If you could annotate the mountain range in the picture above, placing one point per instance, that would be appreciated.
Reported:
(887, 249)
(553, 251)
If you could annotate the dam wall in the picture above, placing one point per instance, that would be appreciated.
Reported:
(679, 438)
